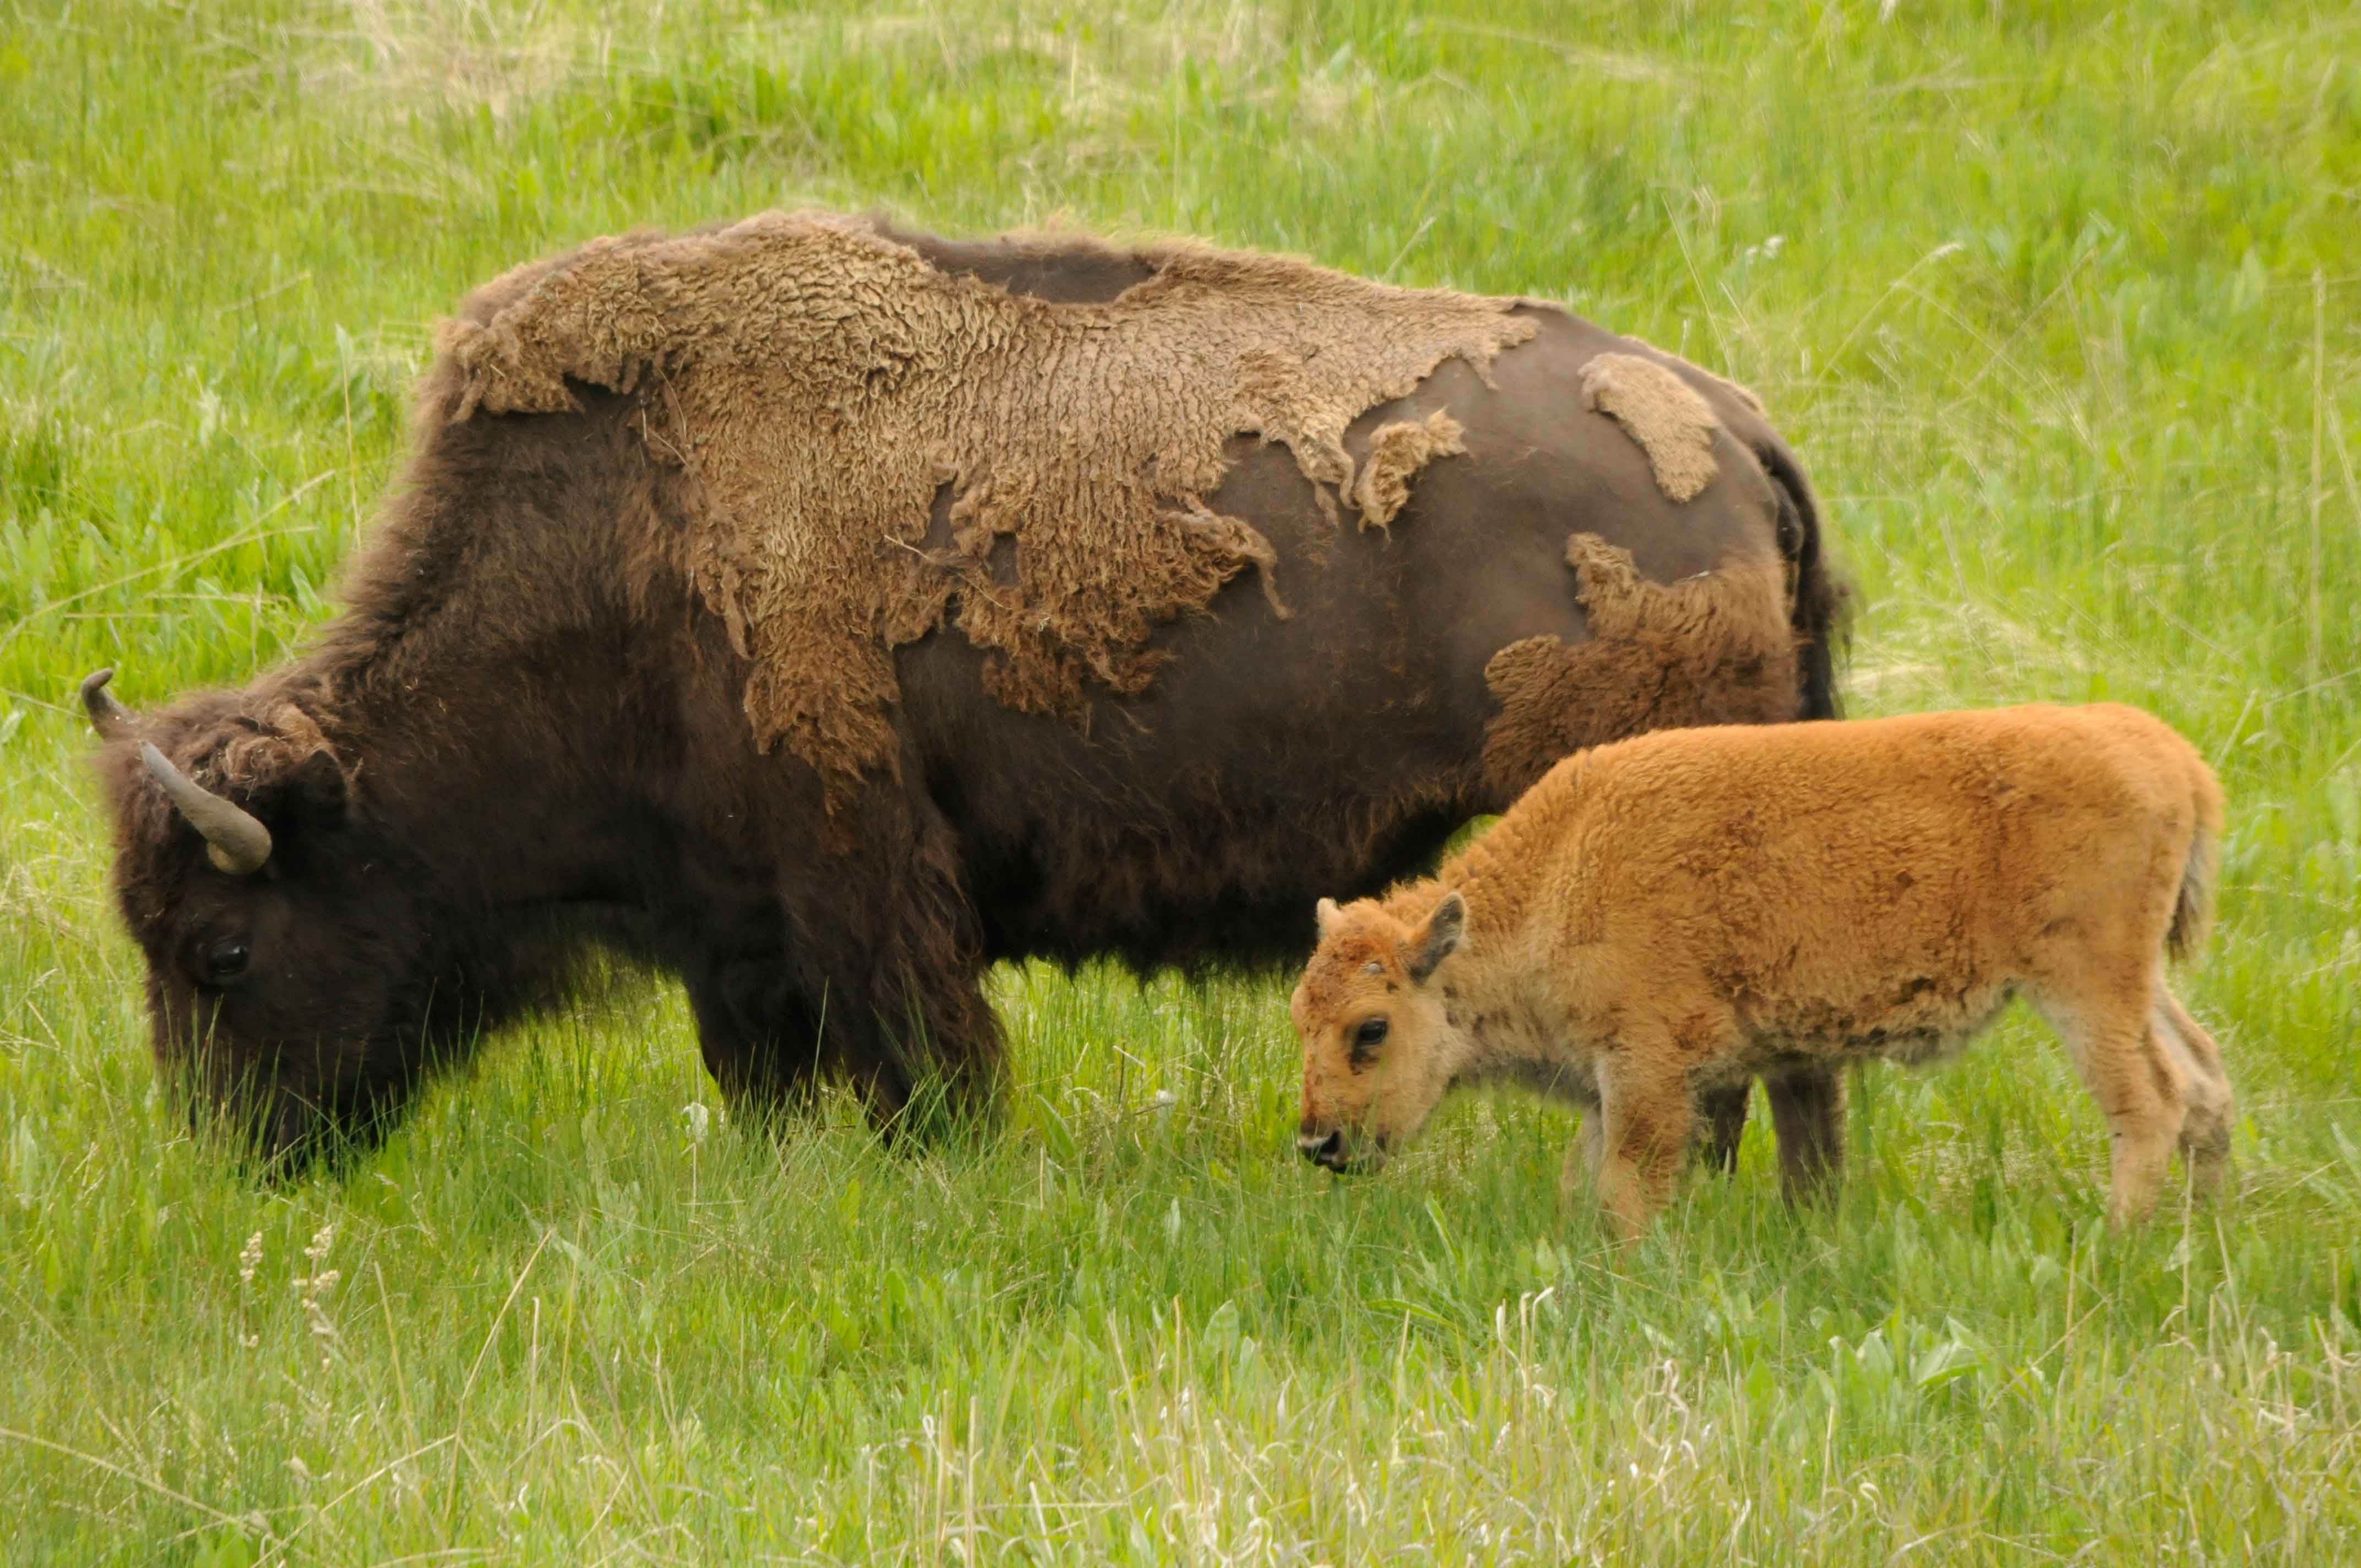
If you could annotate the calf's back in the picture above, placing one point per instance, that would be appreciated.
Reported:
(1889, 877)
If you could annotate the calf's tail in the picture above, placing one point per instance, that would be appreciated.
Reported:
(2192, 910)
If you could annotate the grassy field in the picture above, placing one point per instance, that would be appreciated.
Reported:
(2059, 301)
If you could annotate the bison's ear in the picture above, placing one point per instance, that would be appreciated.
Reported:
(1437, 939)
(1327, 911)
(320, 791)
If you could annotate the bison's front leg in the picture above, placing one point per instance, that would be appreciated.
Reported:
(884, 937)
(759, 1036)
(921, 1044)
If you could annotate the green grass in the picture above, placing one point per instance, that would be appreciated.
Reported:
(2059, 301)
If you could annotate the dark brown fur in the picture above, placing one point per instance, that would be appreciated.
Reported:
(523, 740)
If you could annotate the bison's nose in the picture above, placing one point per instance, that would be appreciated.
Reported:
(1328, 1150)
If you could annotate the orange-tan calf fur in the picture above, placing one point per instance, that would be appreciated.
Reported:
(1676, 913)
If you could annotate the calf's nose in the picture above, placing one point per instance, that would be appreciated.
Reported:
(1321, 1148)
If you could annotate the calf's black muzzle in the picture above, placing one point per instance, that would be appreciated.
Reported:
(1324, 1150)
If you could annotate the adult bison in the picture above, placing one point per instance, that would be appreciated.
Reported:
(821, 613)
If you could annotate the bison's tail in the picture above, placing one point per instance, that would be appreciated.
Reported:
(1822, 599)
(2192, 909)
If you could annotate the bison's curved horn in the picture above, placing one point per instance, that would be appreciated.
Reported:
(109, 717)
(234, 840)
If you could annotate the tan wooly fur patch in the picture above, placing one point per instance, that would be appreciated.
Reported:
(254, 752)
(824, 385)
(1396, 453)
(1712, 649)
(1672, 423)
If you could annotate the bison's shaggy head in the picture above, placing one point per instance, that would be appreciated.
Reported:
(1379, 1046)
(282, 940)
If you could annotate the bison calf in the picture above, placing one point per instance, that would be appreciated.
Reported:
(1666, 916)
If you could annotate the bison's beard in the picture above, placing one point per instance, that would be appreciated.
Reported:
(291, 1112)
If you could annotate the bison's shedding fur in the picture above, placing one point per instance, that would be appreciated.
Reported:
(823, 383)
(530, 733)
(1664, 413)
(1670, 914)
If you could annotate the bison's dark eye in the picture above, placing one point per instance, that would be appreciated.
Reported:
(225, 962)
(1370, 1035)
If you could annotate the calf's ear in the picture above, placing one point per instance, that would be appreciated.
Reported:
(1327, 911)
(1437, 939)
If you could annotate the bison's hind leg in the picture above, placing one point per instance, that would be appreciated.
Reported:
(2205, 1131)
(1724, 1112)
(1808, 1110)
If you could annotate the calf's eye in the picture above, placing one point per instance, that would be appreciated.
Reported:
(1372, 1031)
(225, 961)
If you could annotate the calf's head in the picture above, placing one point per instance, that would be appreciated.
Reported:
(280, 934)
(1379, 1048)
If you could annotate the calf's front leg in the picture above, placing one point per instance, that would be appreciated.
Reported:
(1646, 1111)
(1581, 1159)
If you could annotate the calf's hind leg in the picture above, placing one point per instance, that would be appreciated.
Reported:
(2137, 1084)
(2205, 1131)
